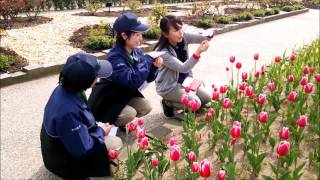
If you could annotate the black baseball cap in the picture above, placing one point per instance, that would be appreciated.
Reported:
(82, 68)
(129, 22)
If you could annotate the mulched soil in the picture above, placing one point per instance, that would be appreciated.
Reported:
(21, 22)
(17, 65)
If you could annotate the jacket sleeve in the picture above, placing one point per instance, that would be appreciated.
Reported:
(194, 38)
(175, 64)
(127, 76)
(153, 74)
(76, 137)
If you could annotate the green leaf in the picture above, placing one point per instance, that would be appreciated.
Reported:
(272, 142)
(267, 177)
(200, 126)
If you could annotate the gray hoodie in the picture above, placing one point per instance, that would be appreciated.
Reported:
(168, 75)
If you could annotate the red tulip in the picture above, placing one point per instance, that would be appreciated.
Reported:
(132, 127)
(302, 121)
(284, 133)
(232, 59)
(244, 76)
(223, 89)
(215, 95)
(187, 90)
(292, 96)
(236, 130)
(227, 68)
(271, 86)
(238, 65)
(263, 117)
(311, 70)
(175, 153)
(249, 91)
(306, 70)
(256, 56)
(113, 154)
(155, 162)
(172, 142)
(277, 59)
(205, 168)
(192, 156)
(293, 56)
(209, 116)
(194, 105)
(261, 99)
(211, 110)
(140, 121)
(143, 143)
(226, 103)
(141, 133)
(290, 78)
(257, 74)
(242, 86)
(308, 88)
(221, 174)
(283, 148)
(245, 113)
(184, 100)
(304, 81)
(317, 77)
(195, 167)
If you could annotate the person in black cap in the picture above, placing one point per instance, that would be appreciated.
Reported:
(73, 146)
(118, 99)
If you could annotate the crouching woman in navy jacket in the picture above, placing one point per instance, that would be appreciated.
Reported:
(119, 98)
(73, 146)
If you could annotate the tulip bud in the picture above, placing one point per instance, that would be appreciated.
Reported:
(205, 168)
(227, 68)
(194, 105)
(184, 100)
(261, 99)
(302, 121)
(277, 59)
(227, 103)
(235, 131)
(308, 88)
(192, 156)
(304, 81)
(141, 133)
(172, 142)
(249, 91)
(245, 113)
(256, 56)
(221, 174)
(238, 65)
(175, 153)
(242, 86)
(132, 127)
(155, 162)
(290, 78)
(209, 116)
(195, 167)
(232, 59)
(187, 90)
(306, 70)
(317, 77)
(143, 143)
(244, 76)
(263, 70)
(271, 86)
(113, 154)
(215, 96)
(263, 117)
(283, 148)
(284, 133)
(257, 74)
(293, 56)
(140, 121)
(292, 96)
(211, 110)
(223, 89)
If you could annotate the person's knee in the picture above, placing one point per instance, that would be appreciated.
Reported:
(127, 115)
(145, 109)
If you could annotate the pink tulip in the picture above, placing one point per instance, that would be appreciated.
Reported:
(311, 70)
(277, 59)
(113, 154)
(232, 59)
(303, 81)
(223, 89)
(209, 116)
(271, 86)
(292, 96)
(172, 142)
(245, 113)
(293, 56)
(143, 143)
(195, 167)
(238, 65)
(155, 162)
(263, 117)
(192, 156)
(317, 77)
(205, 168)
(256, 56)
(244, 76)
(141, 133)
(306, 70)
(187, 90)
(215, 95)
(290, 78)
(242, 86)
(249, 91)
(236, 130)
(221, 174)
(184, 100)
(175, 153)
(283, 148)
(257, 74)
(132, 127)
(211, 110)
(194, 105)
(308, 88)
(302, 121)
(284, 133)
(140, 121)
(261, 99)
(226, 103)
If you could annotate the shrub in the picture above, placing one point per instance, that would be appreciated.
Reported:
(9, 9)
(270, 12)
(58, 4)
(259, 13)
(35, 6)
(276, 10)
(6, 62)
(205, 23)
(298, 6)
(157, 12)
(133, 5)
(152, 33)
(99, 42)
(102, 29)
(287, 8)
(223, 20)
(245, 16)
(93, 7)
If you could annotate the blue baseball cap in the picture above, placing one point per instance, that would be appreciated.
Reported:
(129, 22)
(82, 68)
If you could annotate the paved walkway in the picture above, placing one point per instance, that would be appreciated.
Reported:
(22, 104)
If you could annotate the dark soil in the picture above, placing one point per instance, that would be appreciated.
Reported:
(21, 22)
(17, 65)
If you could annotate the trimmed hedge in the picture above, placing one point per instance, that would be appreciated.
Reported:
(6, 62)
(223, 20)
(152, 33)
(205, 23)
(245, 16)
(99, 42)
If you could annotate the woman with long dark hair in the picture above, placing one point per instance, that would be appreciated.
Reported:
(177, 65)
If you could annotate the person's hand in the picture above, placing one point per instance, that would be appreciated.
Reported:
(158, 62)
(106, 128)
(202, 47)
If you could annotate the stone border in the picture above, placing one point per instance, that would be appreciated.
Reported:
(37, 71)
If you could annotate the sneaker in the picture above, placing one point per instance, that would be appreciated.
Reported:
(167, 110)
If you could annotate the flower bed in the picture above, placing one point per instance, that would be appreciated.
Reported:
(11, 61)
(264, 125)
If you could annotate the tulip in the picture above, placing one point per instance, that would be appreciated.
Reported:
(113, 154)
(283, 148)
(284, 133)
(292, 96)
(221, 174)
(302, 121)
(277, 59)
(317, 77)
(143, 143)
(245, 113)
(257, 74)
(205, 168)
(175, 153)
(242, 86)
(211, 110)
(256, 56)
(290, 78)
(293, 56)
(249, 91)
(308, 88)
(155, 162)
(172, 142)
(238, 65)
(223, 89)
(187, 90)
(263, 70)
(184, 100)
(132, 127)
(192, 156)
(227, 103)
(232, 59)
(303, 81)
(195, 167)
(141, 133)
(227, 68)
(140, 121)
(244, 76)
(261, 99)
(263, 117)
(236, 130)
(194, 105)
(311, 70)
(209, 116)
(306, 70)
(271, 86)
(215, 96)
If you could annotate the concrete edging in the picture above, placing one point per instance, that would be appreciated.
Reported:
(37, 71)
